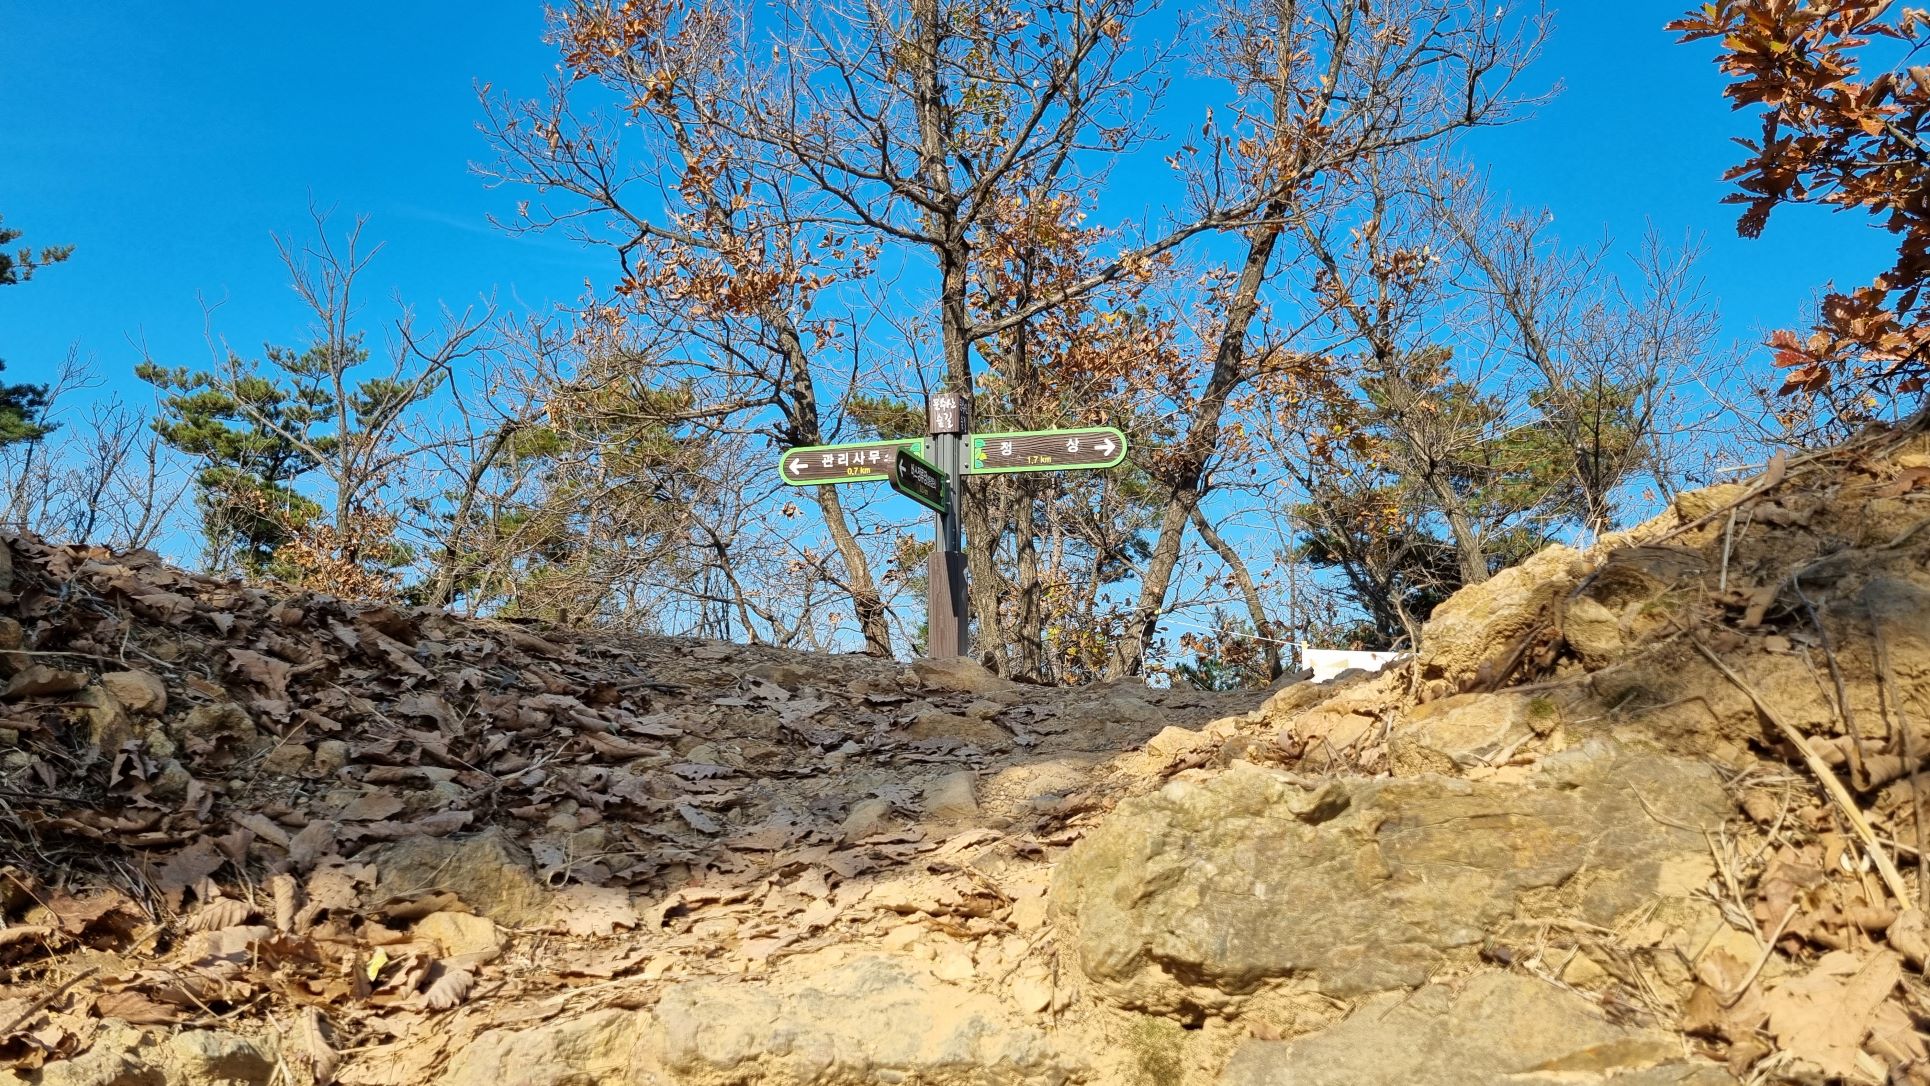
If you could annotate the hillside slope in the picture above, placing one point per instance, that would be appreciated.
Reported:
(1640, 814)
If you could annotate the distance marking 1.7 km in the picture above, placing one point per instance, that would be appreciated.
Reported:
(1045, 450)
(859, 462)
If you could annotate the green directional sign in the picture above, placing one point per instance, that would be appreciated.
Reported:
(860, 462)
(1045, 450)
(920, 480)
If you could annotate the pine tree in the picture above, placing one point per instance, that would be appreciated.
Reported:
(23, 406)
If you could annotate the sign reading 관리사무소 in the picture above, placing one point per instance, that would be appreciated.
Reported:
(858, 462)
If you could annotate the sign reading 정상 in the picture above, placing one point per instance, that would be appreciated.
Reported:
(1046, 450)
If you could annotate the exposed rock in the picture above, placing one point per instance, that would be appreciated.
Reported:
(874, 1019)
(12, 636)
(120, 1056)
(212, 1057)
(598, 1049)
(1641, 572)
(1185, 900)
(1465, 730)
(490, 875)
(1593, 631)
(959, 675)
(39, 680)
(1901, 609)
(985, 709)
(1496, 1027)
(867, 817)
(1483, 621)
(330, 756)
(286, 759)
(230, 944)
(975, 730)
(172, 782)
(108, 724)
(952, 797)
(1692, 505)
(461, 936)
(1173, 743)
(222, 726)
(140, 692)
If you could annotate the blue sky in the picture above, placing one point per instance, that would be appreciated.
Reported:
(167, 146)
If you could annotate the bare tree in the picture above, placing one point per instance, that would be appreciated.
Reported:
(1606, 364)
(100, 477)
(1320, 91)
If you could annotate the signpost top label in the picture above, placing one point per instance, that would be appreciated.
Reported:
(860, 462)
(945, 413)
(1046, 450)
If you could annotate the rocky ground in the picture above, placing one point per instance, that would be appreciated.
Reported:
(1643, 814)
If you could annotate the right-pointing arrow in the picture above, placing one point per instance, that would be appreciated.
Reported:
(1105, 446)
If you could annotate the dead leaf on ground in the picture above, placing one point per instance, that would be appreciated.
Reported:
(222, 912)
(594, 910)
(1823, 1016)
(447, 986)
(137, 1009)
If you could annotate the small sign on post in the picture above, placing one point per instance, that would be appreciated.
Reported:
(945, 413)
(921, 481)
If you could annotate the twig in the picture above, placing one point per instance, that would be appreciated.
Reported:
(1768, 949)
(40, 1004)
(1728, 538)
(1891, 704)
(1859, 776)
(1659, 817)
(1821, 770)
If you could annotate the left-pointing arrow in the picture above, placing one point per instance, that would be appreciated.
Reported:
(860, 462)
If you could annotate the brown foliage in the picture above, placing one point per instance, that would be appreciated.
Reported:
(1838, 132)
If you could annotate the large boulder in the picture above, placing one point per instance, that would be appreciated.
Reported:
(1495, 1027)
(1468, 730)
(1186, 900)
(853, 1021)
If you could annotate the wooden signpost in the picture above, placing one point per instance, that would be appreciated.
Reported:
(931, 470)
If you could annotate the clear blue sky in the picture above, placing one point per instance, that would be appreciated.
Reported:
(167, 145)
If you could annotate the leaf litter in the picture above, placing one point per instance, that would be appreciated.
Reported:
(222, 842)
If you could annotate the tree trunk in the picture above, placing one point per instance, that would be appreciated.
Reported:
(1202, 438)
(1256, 608)
(866, 603)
